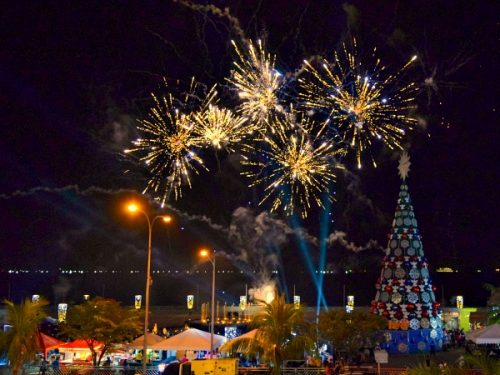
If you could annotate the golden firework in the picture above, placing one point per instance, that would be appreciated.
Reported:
(167, 145)
(257, 82)
(364, 105)
(295, 166)
(220, 127)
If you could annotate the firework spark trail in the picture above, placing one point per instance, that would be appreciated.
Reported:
(168, 145)
(359, 101)
(296, 166)
(257, 82)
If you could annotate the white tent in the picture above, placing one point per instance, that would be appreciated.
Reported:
(190, 339)
(469, 335)
(151, 339)
(486, 335)
(250, 335)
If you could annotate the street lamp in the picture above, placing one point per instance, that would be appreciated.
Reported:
(190, 305)
(210, 255)
(134, 208)
(350, 304)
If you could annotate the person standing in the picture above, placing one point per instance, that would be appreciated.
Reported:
(432, 347)
(329, 368)
(43, 366)
(55, 365)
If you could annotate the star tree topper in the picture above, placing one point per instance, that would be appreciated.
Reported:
(404, 165)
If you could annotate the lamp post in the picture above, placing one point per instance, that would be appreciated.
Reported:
(460, 306)
(134, 208)
(211, 257)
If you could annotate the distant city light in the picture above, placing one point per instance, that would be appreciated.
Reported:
(444, 269)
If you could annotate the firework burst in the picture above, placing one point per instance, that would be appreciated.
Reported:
(168, 146)
(220, 127)
(257, 81)
(363, 104)
(296, 165)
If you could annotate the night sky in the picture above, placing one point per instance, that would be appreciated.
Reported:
(75, 77)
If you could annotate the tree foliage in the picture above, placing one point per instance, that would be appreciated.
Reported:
(102, 321)
(434, 369)
(349, 331)
(21, 343)
(282, 333)
(487, 365)
(493, 304)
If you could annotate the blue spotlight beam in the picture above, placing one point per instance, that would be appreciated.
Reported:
(305, 252)
(323, 245)
(281, 275)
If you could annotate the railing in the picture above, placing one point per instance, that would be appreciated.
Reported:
(137, 370)
(253, 370)
(348, 370)
(302, 371)
(393, 371)
(90, 370)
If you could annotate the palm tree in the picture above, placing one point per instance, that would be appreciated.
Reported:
(282, 333)
(21, 342)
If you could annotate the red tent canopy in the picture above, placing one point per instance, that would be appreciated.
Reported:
(79, 344)
(48, 343)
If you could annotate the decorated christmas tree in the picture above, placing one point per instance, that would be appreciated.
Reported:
(405, 294)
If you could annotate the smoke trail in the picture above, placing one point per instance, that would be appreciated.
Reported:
(222, 13)
(256, 241)
(61, 289)
(55, 190)
(99, 190)
(339, 237)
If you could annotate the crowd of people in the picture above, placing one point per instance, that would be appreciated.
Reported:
(453, 338)
(336, 363)
(45, 365)
(333, 367)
